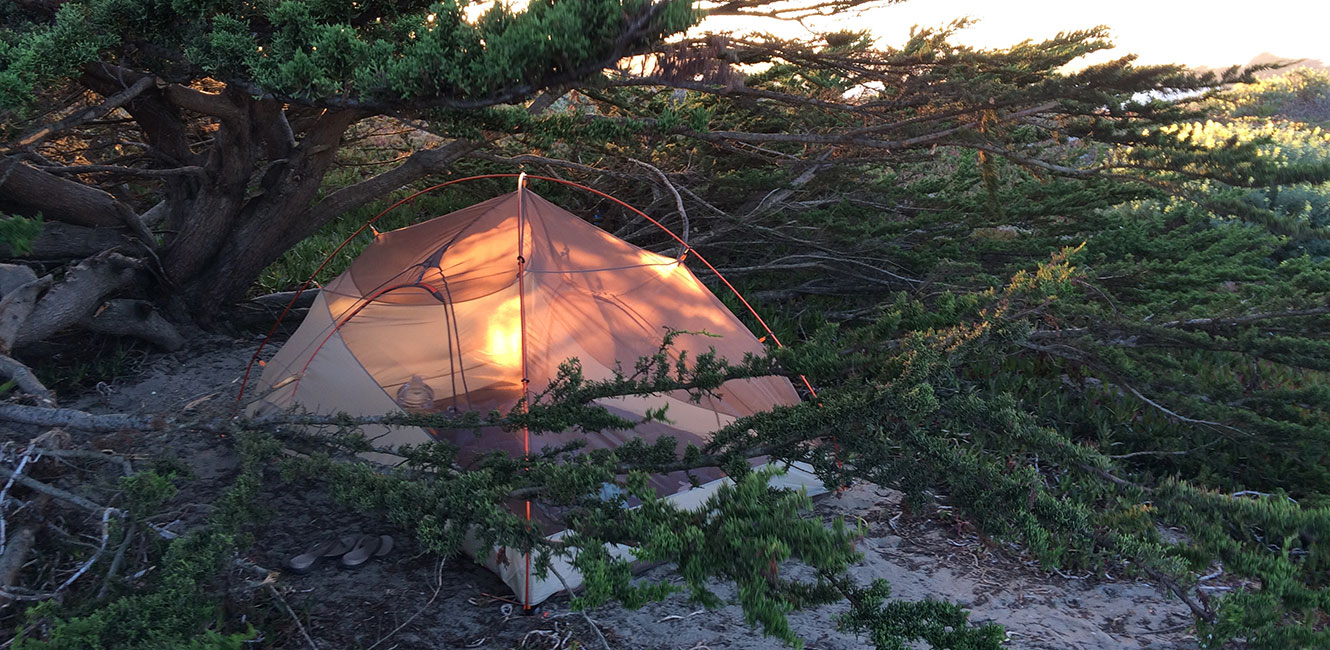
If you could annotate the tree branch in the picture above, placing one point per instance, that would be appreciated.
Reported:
(420, 164)
(125, 171)
(1079, 357)
(51, 490)
(678, 201)
(1219, 323)
(87, 114)
(211, 104)
(160, 120)
(1208, 324)
(60, 199)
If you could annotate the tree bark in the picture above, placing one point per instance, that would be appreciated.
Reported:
(13, 276)
(25, 188)
(199, 231)
(78, 295)
(135, 318)
(254, 199)
(283, 219)
(15, 308)
(62, 241)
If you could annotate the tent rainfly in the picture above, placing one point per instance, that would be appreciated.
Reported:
(486, 301)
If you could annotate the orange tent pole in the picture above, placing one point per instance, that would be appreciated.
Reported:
(526, 380)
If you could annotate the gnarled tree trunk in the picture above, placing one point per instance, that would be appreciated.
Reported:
(226, 210)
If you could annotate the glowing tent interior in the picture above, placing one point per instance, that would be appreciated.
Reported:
(486, 301)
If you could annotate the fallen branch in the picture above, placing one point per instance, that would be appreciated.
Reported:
(135, 318)
(13, 276)
(117, 560)
(276, 594)
(59, 241)
(264, 310)
(27, 382)
(281, 299)
(1196, 609)
(1207, 324)
(88, 454)
(1079, 357)
(16, 550)
(52, 491)
(678, 202)
(74, 419)
(4, 494)
(1216, 323)
(438, 585)
(101, 548)
(594, 628)
(16, 553)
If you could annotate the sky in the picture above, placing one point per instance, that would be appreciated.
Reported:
(1214, 33)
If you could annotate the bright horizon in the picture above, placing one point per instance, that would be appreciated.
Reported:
(1214, 34)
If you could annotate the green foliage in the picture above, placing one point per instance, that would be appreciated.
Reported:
(17, 233)
(146, 491)
(171, 614)
(744, 533)
(889, 624)
(366, 51)
(179, 607)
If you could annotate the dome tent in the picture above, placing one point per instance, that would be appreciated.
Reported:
(490, 299)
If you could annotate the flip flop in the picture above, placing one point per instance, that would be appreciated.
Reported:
(366, 548)
(307, 561)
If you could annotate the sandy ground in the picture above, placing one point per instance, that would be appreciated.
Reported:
(411, 600)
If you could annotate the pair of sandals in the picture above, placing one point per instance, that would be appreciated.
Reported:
(350, 551)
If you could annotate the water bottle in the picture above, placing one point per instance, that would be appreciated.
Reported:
(415, 395)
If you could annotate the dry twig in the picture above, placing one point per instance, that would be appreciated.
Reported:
(276, 594)
(438, 585)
